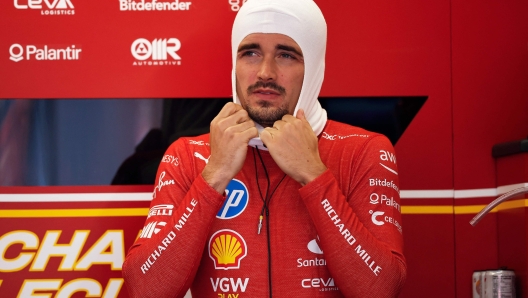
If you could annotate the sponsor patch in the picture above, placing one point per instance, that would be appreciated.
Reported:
(153, 5)
(156, 52)
(237, 198)
(338, 137)
(227, 248)
(199, 156)
(152, 228)
(324, 284)
(379, 218)
(47, 7)
(313, 246)
(160, 210)
(43, 53)
(162, 183)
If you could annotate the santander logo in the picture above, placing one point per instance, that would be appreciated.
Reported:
(313, 246)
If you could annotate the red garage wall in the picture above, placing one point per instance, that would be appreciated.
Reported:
(469, 58)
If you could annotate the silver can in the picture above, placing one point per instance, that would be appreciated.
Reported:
(498, 283)
(478, 284)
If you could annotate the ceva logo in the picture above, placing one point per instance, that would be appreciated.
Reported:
(54, 7)
(237, 198)
(227, 248)
(156, 52)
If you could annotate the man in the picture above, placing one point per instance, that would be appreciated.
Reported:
(270, 203)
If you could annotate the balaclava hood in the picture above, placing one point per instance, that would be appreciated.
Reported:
(303, 22)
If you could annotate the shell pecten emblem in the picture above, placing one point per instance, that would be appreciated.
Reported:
(227, 248)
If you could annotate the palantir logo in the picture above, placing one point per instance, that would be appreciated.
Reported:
(237, 198)
(44, 52)
(16, 51)
(374, 198)
(54, 7)
(156, 52)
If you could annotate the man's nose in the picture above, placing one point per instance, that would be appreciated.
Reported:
(267, 69)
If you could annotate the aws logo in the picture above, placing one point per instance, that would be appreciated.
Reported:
(227, 248)
(237, 199)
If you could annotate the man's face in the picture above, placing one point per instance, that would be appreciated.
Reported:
(269, 76)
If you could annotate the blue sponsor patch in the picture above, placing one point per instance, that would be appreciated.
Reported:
(237, 199)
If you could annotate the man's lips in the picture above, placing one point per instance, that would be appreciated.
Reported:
(265, 91)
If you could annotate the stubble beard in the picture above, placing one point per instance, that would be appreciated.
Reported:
(265, 114)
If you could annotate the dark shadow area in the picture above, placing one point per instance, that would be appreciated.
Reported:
(389, 116)
(191, 117)
(181, 117)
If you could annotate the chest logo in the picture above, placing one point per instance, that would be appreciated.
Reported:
(236, 201)
(227, 248)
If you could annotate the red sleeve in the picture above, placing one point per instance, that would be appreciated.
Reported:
(360, 231)
(164, 259)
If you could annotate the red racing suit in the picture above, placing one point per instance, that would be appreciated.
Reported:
(339, 235)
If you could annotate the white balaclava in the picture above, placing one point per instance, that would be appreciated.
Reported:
(303, 22)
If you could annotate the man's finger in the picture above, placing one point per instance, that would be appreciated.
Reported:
(239, 116)
(229, 109)
(301, 115)
(250, 133)
(267, 135)
(240, 127)
(278, 124)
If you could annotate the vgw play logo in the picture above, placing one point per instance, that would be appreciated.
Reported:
(237, 199)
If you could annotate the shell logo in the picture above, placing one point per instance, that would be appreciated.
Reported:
(226, 249)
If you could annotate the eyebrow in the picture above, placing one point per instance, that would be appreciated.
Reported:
(253, 46)
(249, 46)
(289, 49)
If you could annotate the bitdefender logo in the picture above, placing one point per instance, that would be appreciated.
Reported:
(48, 8)
(152, 5)
(45, 52)
(158, 52)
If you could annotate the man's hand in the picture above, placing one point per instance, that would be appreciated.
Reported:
(230, 133)
(294, 147)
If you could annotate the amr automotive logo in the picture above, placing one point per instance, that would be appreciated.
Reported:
(47, 7)
(18, 52)
(156, 52)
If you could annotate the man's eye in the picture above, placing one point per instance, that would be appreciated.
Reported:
(286, 55)
(248, 54)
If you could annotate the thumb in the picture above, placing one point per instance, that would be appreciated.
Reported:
(300, 115)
